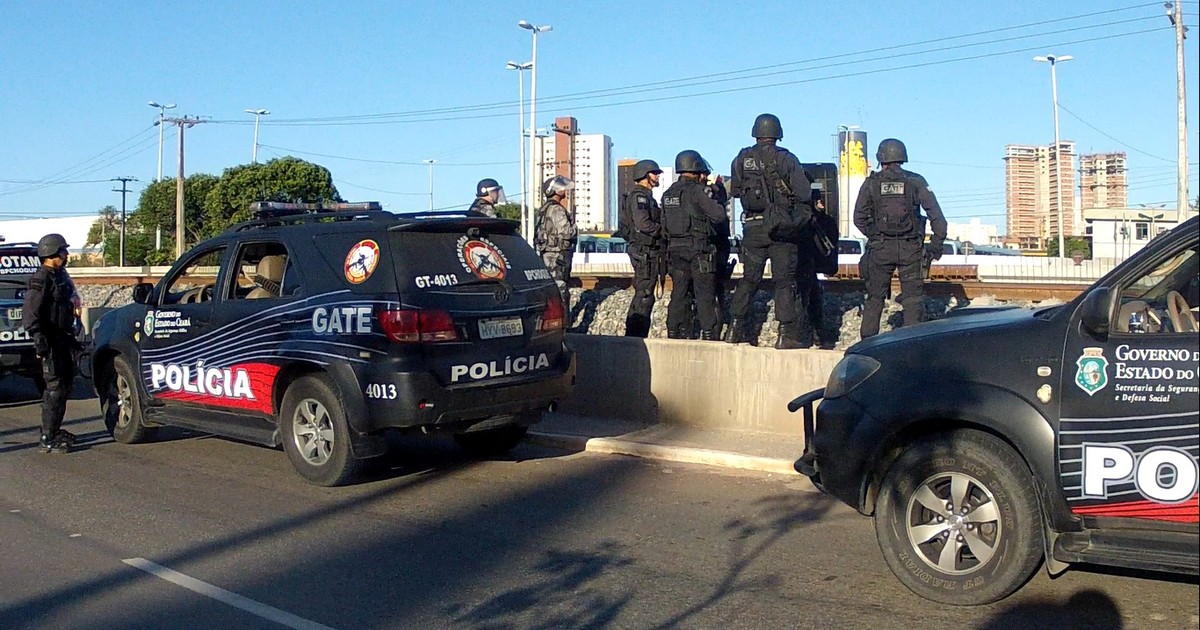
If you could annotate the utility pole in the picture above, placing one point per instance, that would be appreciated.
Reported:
(182, 123)
(430, 163)
(1175, 14)
(124, 191)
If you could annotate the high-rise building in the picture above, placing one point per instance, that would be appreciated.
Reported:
(1036, 186)
(1102, 181)
(587, 160)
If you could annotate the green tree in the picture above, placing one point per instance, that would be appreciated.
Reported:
(107, 220)
(1073, 244)
(156, 211)
(282, 179)
(509, 211)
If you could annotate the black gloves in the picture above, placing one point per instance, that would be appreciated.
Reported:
(933, 250)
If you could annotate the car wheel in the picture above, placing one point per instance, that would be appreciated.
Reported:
(958, 520)
(491, 442)
(121, 405)
(316, 437)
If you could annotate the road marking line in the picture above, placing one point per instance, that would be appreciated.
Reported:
(227, 597)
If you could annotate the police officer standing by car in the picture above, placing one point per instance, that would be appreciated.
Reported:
(488, 193)
(555, 234)
(49, 316)
(770, 182)
(888, 213)
(690, 218)
(640, 224)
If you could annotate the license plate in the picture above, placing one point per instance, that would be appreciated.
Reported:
(14, 313)
(500, 327)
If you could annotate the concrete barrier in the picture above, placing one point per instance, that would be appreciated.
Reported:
(702, 384)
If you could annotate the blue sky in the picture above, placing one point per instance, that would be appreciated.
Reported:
(76, 78)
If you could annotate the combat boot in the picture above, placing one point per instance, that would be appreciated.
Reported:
(53, 444)
(708, 335)
(736, 333)
(788, 338)
(676, 333)
(66, 436)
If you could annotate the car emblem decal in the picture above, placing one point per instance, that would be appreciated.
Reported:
(482, 258)
(361, 261)
(148, 325)
(1092, 375)
(502, 293)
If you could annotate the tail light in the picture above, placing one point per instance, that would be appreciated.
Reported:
(418, 325)
(554, 318)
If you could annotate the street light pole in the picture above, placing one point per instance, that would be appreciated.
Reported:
(162, 111)
(430, 163)
(257, 114)
(521, 68)
(533, 160)
(1054, 61)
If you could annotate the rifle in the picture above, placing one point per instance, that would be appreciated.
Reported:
(926, 261)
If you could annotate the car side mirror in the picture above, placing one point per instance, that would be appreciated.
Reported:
(1095, 313)
(142, 292)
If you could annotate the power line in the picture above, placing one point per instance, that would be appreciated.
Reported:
(375, 161)
(1101, 132)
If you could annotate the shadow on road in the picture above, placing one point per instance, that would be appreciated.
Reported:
(1084, 609)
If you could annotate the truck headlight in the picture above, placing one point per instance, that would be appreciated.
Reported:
(849, 373)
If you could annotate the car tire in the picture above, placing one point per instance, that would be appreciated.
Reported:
(491, 442)
(121, 405)
(946, 554)
(316, 437)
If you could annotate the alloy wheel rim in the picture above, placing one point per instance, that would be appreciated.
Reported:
(124, 402)
(312, 432)
(953, 523)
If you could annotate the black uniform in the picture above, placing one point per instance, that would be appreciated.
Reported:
(646, 248)
(49, 314)
(757, 245)
(888, 213)
(689, 218)
(724, 270)
(483, 206)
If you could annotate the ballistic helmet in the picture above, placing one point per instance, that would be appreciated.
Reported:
(891, 151)
(50, 245)
(767, 126)
(644, 168)
(557, 184)
(689, 161)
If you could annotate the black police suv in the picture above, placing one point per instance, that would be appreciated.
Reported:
(319, 327)
(18, 261)
(985, 444)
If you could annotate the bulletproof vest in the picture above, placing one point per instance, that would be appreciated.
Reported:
(895, 199)
(59, 293)
(758, 172)
(625, 227)
(681, 220)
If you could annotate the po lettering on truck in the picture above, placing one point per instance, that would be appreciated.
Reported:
(1162, 474)
(341, 320)
(220, 382)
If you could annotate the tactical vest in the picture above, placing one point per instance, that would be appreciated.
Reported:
(625, 227)
(895, 199)
(757, 192)
(682, 223)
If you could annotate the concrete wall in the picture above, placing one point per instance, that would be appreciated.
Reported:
(694, 383)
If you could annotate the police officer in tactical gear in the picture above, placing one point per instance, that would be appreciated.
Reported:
(771, 183)
(488, 193)
(721, 239)
(642, 219)
(555, 234)
(49, 318)
(888, 213)
(689, 220)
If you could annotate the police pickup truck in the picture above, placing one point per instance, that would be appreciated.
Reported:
(318, 328)
(985, 444)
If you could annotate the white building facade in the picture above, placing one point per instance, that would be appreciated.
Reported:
(591, 167)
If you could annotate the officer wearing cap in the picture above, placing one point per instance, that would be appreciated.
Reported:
(641, 217)
(555, 234)
(488, 193)
(49, 318)
(888, 214)
(769, 180)
(689, 220)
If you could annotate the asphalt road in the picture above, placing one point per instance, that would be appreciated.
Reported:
(191, 531)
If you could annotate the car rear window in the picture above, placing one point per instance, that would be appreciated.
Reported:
(442, 259)
(16, 265)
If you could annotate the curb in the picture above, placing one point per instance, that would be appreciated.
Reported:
(681, 454)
